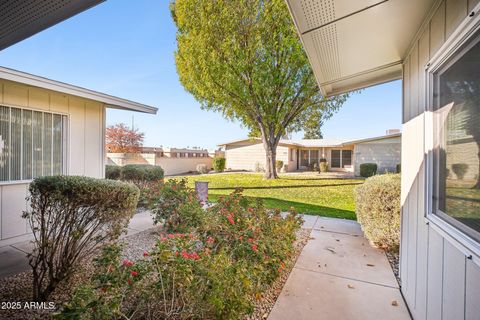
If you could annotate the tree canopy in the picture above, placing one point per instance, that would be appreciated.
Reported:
(120, 138)
(245, 60)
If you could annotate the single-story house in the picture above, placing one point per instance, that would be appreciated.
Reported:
(47, 127)
(434, 47)
(345, 156)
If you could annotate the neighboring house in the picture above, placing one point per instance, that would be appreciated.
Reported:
(434, 46)
(172, 160)
(46, 127)
(345, 156)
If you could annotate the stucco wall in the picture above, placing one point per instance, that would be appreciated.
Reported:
(386, 153)
(171, 166)
(85, 148)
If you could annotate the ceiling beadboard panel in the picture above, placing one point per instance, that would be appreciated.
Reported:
(356, 43)
(20, 19)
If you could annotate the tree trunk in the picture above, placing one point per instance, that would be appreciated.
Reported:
(271, 157)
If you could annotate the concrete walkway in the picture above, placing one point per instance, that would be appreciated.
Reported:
(13, 258)
(339, 276)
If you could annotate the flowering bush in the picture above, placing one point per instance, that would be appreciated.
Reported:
(212, 265)
(177, 207)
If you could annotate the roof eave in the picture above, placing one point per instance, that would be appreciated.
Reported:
(40, 82)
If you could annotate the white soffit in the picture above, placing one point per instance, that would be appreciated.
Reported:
(353, 44)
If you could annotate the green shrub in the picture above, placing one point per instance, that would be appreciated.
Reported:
(378, 210)
(177, 206)
(368, 169)
(218, 164)
(323, 166)
(398, 168)
(70, 217)
(141, 173)
(279, 165)
(112, 172)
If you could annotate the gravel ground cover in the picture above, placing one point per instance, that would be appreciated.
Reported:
(393, 258)
(16, 291)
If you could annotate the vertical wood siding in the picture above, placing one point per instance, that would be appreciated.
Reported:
(85, 154)
(438, 281)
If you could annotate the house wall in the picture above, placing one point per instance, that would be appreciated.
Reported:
(245, 155)
(85, 148)
(170, 166)
(440, 277)
(385, 153)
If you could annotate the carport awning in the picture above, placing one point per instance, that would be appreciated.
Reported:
(20, 19)
(353, 44)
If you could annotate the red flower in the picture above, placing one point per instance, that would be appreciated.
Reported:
(171, 236)
(130, 281)
(185, 254)
(254, 247)
(128, 263)
(250, 210)
(194, 256)
(134, 273)
(241, 238)
(145, 254)
(210, 240)
(230, 219)
(250, 240)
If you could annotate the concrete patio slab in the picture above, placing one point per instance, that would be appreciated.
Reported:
(309, 221)
(12, 261)
(346, 256)
(339, 275)
(338, 225)
(311, 295)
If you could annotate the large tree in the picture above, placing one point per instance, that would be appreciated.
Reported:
(122, 139)
(245, 60)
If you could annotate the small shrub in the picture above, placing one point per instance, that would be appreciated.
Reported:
(279, 165)
(323, 166)
(378, 210)
(368, 169)
(323, 160)
(70, 217)
(315, 167)
(177, 206)
(202, 168)
(141, 173)
(460, 169)
(112, 172)
(218, 164)
(398, 168)
(259, 167)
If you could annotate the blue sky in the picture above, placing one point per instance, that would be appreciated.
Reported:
(125, 48)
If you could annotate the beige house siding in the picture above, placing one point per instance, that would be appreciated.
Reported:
(247, 155)
(440, 277)
(385, 153)
(85, 146)
(170, 166)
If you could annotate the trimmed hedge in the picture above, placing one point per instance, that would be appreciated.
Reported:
(218, 164)
(141, 173)
(112, 172)
(323, 166)
(202, 168)
(378, 210)
(368, 169)
(71, 216)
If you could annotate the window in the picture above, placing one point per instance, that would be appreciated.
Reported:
(304, 158)
(456, 156)
(336, 160)
(32, 144)
(346, 158)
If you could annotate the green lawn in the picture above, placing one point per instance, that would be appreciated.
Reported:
(307, 194)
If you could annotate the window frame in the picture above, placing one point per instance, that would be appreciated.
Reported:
(65, 139)
(451, 50)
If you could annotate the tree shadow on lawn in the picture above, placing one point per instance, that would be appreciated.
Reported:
(289, 186)
(300, 207)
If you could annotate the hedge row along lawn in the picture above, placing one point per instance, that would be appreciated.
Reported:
(307, 194)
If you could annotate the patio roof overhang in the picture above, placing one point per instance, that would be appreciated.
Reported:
(20, 19)
(40, 82)
(354, 44)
